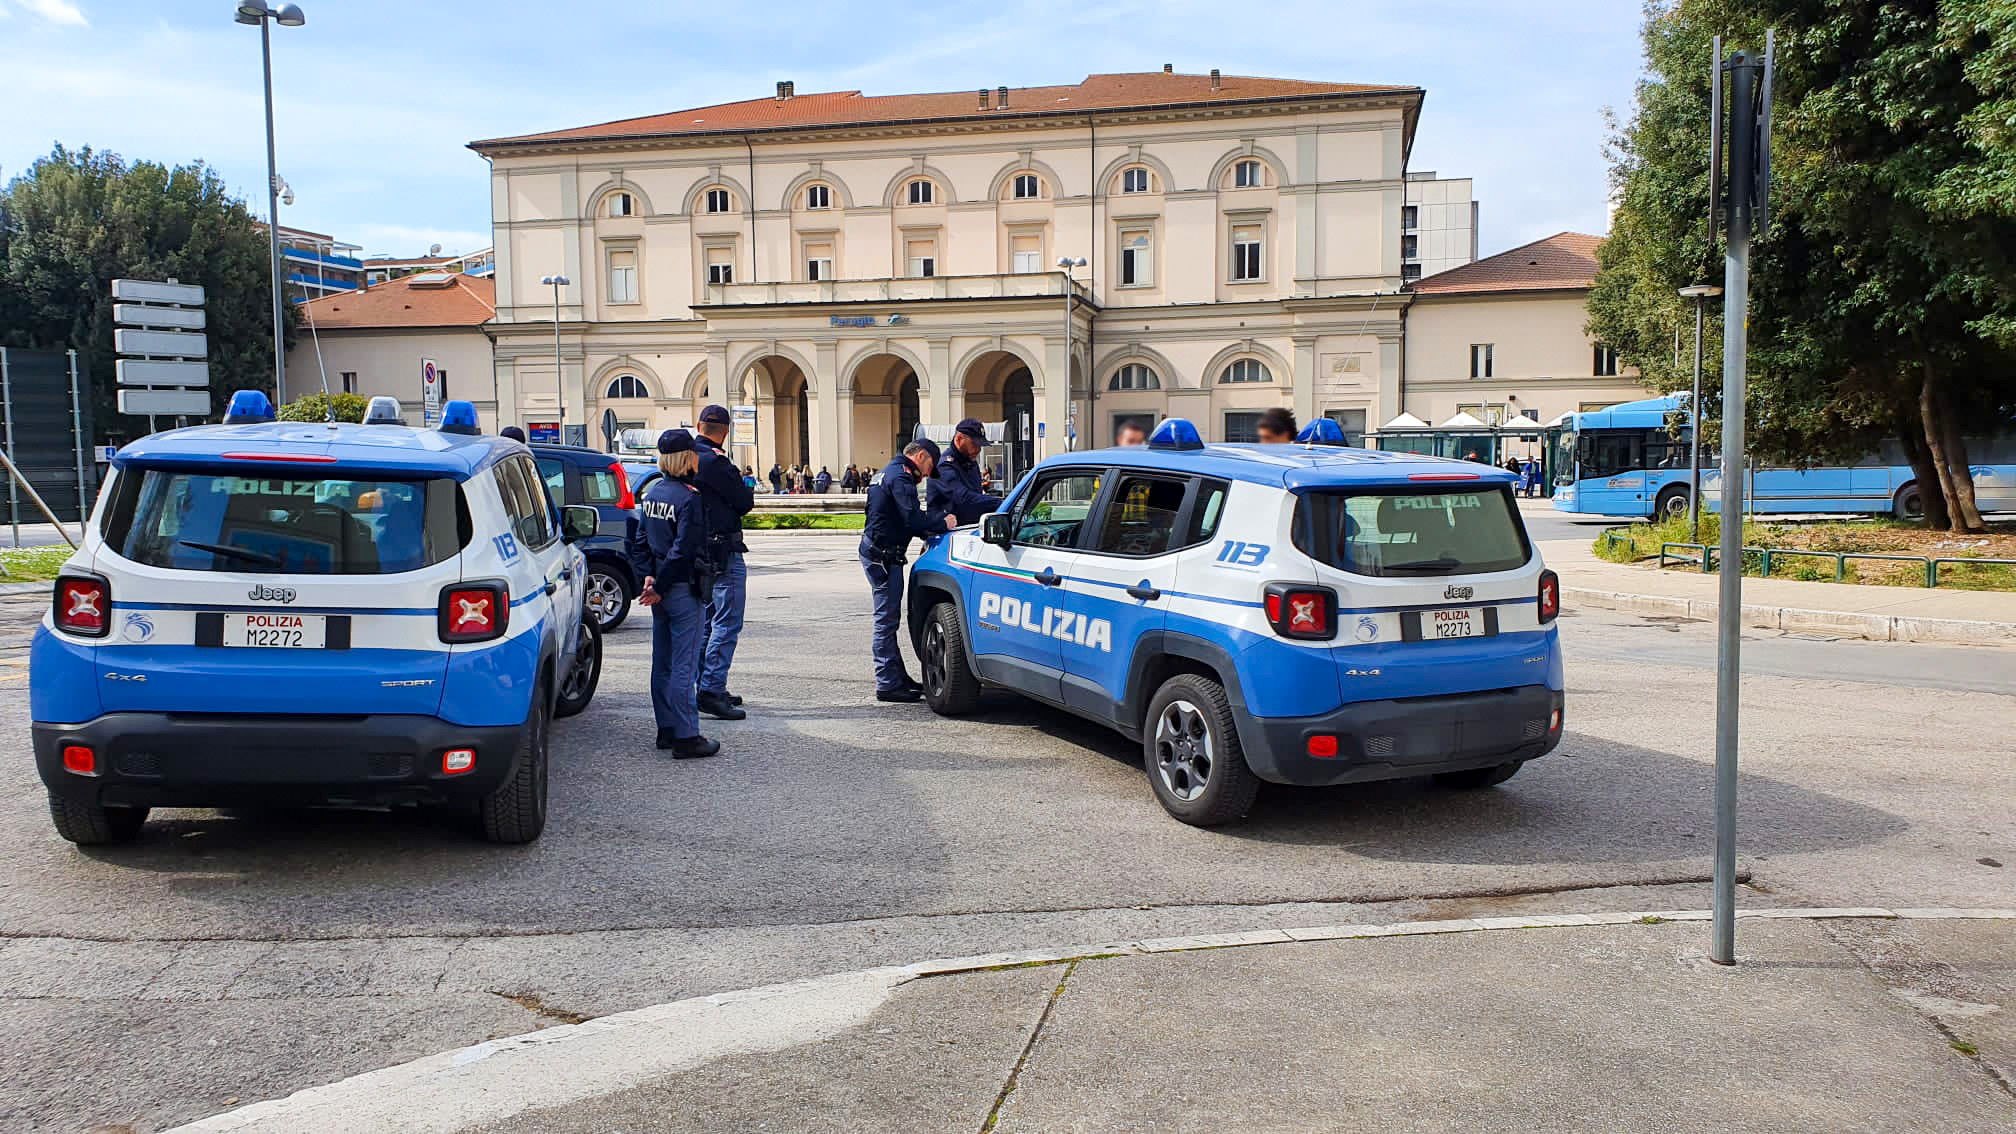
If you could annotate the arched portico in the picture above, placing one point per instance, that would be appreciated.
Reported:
(780, 390)
(881, 383)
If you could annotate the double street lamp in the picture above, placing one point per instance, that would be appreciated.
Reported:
(1066, 264)
(1700, 294)
(556, 282)
(265, 15)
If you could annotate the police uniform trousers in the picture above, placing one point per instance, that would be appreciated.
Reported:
(885, 580)
(676, 622)
(723, 624)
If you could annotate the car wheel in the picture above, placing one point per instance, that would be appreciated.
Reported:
(1471, 779)
(1909, 505)
(950, 687)
(93, 824)
(577, 686)
(1191, 748)
(1673, 502)
(516, 811)
(608, 596)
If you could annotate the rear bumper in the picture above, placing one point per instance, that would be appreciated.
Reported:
(1417, 736)
(215, 760)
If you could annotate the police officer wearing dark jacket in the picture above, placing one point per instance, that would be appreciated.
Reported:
(667, 547)
(955, 484)
(894, 519)
(728, 498)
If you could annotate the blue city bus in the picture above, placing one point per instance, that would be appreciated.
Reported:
(1631, 461)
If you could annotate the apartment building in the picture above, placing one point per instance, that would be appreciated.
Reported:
(317, 264)
(854, 265)
(378, 269)
(1438, 225)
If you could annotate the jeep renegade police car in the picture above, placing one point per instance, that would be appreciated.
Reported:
(1298, 614)
(276, 611)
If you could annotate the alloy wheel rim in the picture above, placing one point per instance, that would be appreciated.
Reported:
(934, 659)
(1184, 752)
(584, 664)
(605, 596)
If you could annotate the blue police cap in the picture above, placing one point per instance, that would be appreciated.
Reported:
(716, 415)
(675, 441)
(971, 427)
(513, 432)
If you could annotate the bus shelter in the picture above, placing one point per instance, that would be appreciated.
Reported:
(1464, 436)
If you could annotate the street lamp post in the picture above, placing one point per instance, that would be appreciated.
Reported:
(1700, 294)
(1068, 263)
(559, 382)
(265, 15)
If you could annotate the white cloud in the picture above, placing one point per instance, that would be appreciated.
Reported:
(55, 11)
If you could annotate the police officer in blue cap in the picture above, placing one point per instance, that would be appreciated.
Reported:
(894, 519)
(728, 498)
(955, 484)
(668, 550)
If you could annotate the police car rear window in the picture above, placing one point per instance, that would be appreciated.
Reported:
(1408, 533)
(202, 521)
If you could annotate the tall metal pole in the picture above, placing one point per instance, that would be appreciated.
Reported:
(273, 215)
(78, 439)
(1070, 306)
(559, 379)
(1694, 432)
(1742, 71)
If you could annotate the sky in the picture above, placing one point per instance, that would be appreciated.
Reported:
(376, 100)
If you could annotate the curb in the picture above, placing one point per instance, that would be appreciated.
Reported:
(1874, 627)
(489, 1081)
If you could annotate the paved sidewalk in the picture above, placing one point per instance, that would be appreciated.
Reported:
(1836, 1020)
(1851, 610)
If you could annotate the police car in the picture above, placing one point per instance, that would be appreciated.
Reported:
(1297, 614)
(272, 611)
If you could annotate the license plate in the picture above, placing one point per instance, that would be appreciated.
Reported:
(276, 630)
(1461, 622)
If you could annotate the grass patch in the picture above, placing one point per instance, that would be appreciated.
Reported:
(1967, 1049)
(775, 521)
(1651, 919)
(1641, 541)
(33, 564)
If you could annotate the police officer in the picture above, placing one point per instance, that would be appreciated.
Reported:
(955, 485)
(513, 432)
(668, 550)
(728, 498)
(893, 520)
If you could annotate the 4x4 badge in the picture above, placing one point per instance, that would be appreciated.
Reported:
(1455, 592)
(264, 593)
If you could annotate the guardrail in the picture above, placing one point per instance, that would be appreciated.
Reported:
(1705, 556)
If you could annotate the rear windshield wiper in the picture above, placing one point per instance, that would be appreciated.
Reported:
(258, 557)
(1443, 565)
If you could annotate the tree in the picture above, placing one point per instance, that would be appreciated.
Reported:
(78, 219)
(315, 407)
(1884, 296)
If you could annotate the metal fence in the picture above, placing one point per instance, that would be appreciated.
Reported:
(45, 423)
(1705, 556)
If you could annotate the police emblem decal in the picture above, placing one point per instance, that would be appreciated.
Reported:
(1368, 628)
(139, 627)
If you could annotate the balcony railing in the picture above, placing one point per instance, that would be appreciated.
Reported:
(1023, 285)
(308, 256)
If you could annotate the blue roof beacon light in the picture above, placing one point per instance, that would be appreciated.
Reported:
(248, 407)
(384, 410)
(1175, 434)
(1322, 431)
(459, 417)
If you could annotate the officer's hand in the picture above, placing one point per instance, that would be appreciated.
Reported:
(951, 522)
(649, 597)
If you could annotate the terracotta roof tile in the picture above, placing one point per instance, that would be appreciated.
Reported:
(1563, 260)
(467, 301)
(1129, 90)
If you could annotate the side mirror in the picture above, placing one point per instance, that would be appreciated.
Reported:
(578, 522)
(997, 528)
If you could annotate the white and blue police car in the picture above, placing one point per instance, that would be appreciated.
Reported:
(1301, 614)
(267, 611)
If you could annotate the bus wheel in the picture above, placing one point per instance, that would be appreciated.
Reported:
(1908, 505)
(1673, 501)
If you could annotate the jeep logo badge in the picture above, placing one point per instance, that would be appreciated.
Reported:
(1451, 593)
(264, 593)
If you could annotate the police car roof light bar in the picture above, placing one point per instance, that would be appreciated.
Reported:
(384, 410)
(1175, 434)
(459, 417)
(248, 407)
(1322, 431)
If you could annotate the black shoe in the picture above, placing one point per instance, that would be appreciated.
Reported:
(911, 683)
(718, 706)
(901, 695)
(734, 699)
(694, 747)
(666, 738)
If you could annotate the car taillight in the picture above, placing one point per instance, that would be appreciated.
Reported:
(1308, 613)
(474, 612)
(83, 606)
(1550, 596)
(625, 499)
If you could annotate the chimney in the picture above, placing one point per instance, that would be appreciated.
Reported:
(786, 89)
(1001, 96)
(1168, 68)
(1214, 78)
(983, 99)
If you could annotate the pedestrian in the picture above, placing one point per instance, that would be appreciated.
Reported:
(800, 483)
(513, 432)
(1472, 456)
(668, 550)
(749, 479)
(956, 487)
(1133, 431)
(1277, 426)
(847, 480)
(893, 520)
(728, 500)
(1530, 472)
(825, 482)
(776, 477)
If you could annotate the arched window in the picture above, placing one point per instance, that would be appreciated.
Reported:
(1246, 370)
(1248, 173)
(818, 197)
(620, 204)
(1025, 187)
(920, 192)
(1137, 179)
(626, 386)
(1134, 376)
(718, 200)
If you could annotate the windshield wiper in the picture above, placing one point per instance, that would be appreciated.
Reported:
(258, 557)
(1442, 566)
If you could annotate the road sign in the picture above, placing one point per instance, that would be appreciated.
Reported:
(143, 401)
(745, 424)
(160, 328)
(151, 291)
(161, 344)
(544, 432)
(430, 389)
(161, 372)
(142, 315)
(609, 427)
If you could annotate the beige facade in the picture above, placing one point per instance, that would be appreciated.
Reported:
(852, 279)
(1541, 362)
(387, 360)
(1438, 225)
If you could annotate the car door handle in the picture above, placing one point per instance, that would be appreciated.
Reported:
(1050, 577)
(1144, 592)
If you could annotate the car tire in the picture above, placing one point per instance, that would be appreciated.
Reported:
(950, 686)
(1672, 503)
(1473, 779)
(516, 811)
(608, 594)
(1191, 748)
(90, 824)
(577, 684)
(1909, 506)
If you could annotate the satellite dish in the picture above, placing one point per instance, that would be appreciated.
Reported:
(434, 250)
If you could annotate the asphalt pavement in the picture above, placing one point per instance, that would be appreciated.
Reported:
(227, 958)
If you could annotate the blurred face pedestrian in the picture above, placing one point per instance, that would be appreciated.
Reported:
(1277, 427)
(1130, 433)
